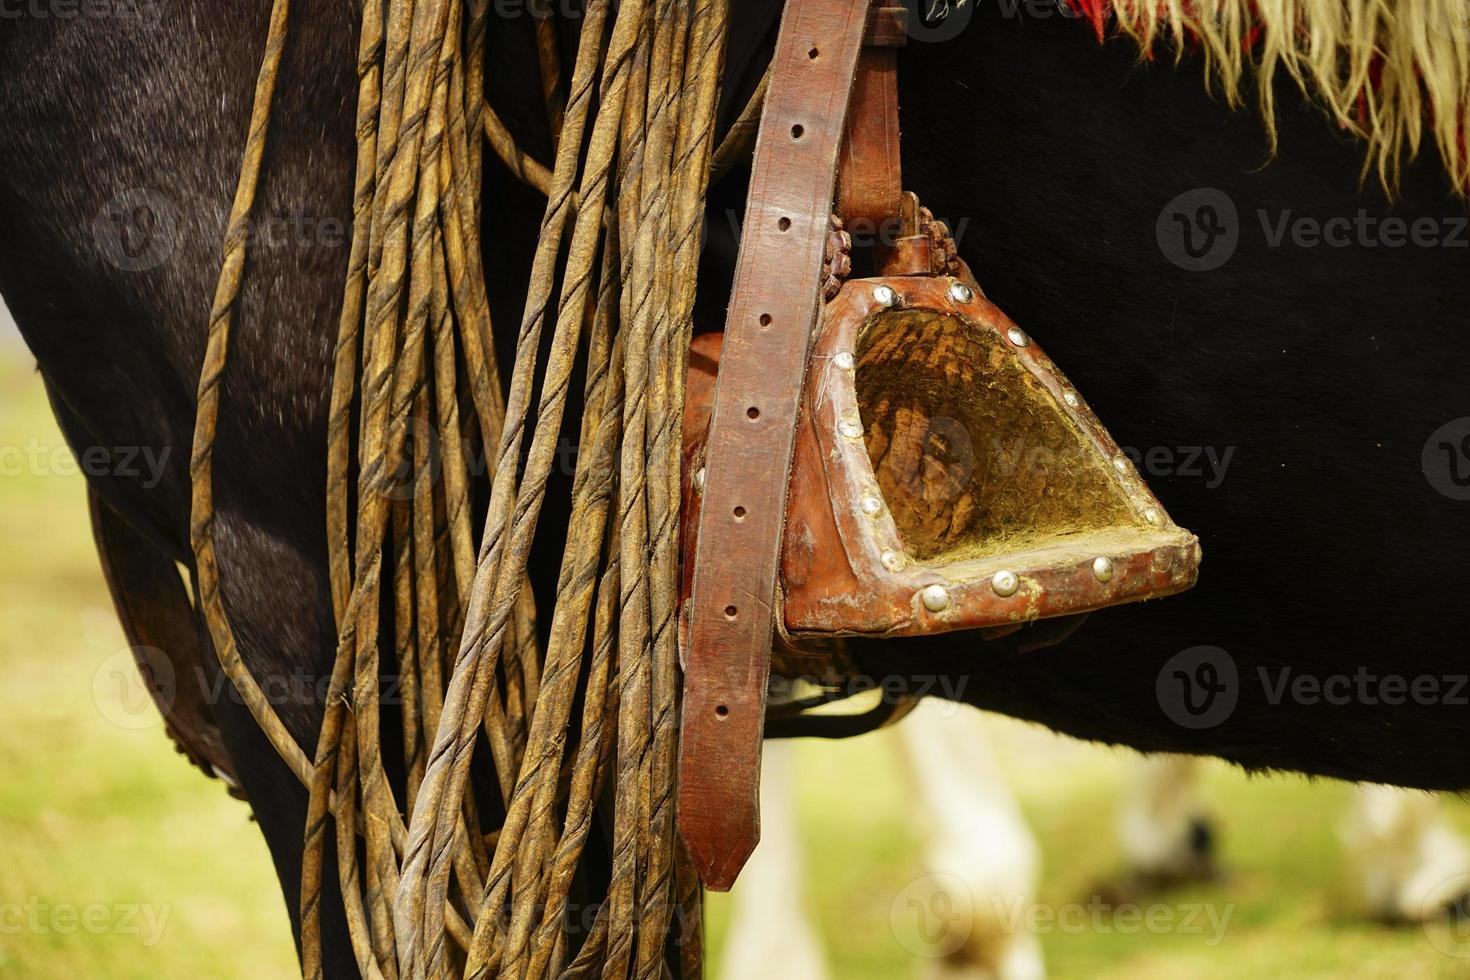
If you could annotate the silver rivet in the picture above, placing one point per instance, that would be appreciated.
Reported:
(960, 293)
(885, 296)
(872, 506)
(851, 428)
(844, 360)
(891, 560)
(1102, 567)
(1070, 397)
(1018, 337)
(935, 598)
(1153, 516)
(1120, 463)
(1005, 583)
(699, 480)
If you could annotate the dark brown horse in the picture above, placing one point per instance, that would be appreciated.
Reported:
(1300, 402)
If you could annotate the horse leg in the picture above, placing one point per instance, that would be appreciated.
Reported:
(770, 932)
(1164, 831)
(274, 594)
(1410, 864)
(977, 846)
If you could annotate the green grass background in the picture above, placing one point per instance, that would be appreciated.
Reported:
(97, 811)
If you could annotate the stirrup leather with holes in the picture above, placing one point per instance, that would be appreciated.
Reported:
(898, 460)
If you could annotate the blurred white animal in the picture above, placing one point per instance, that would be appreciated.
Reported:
(1410, 863)
(977, 848)
(976, 840)
(771, 934)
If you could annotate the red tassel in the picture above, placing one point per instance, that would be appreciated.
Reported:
(1095, 11)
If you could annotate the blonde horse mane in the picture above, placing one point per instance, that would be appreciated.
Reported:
(1385, 70)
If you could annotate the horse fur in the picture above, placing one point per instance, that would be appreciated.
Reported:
(1394, 72)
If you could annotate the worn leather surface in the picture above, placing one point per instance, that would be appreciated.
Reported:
(1044, 500)
(773, 309)
(977, 462)
(870, 182)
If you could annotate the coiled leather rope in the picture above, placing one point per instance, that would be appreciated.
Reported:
(429, 889)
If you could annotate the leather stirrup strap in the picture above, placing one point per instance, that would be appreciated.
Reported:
(870, 180)
(773, 311)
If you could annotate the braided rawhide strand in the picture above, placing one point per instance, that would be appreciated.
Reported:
(438, 893)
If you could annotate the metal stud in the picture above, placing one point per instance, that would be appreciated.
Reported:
(699, 480)
(851, 428)
(844, 360)
(1005, 583)
(960, 293)
(1153, 516)
(872, 505)
(1070, 397)
(935, 598)
(1018, 337)
(1102, 568)
(891, 560)
(1120, 463)
(885, 296)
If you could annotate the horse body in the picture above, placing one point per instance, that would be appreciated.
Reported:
(120, 151)
(1325, 370)
(1329, 551)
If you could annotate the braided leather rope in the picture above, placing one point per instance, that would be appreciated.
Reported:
(431, 890)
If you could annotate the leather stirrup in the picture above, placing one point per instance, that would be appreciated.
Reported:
(903, 461)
